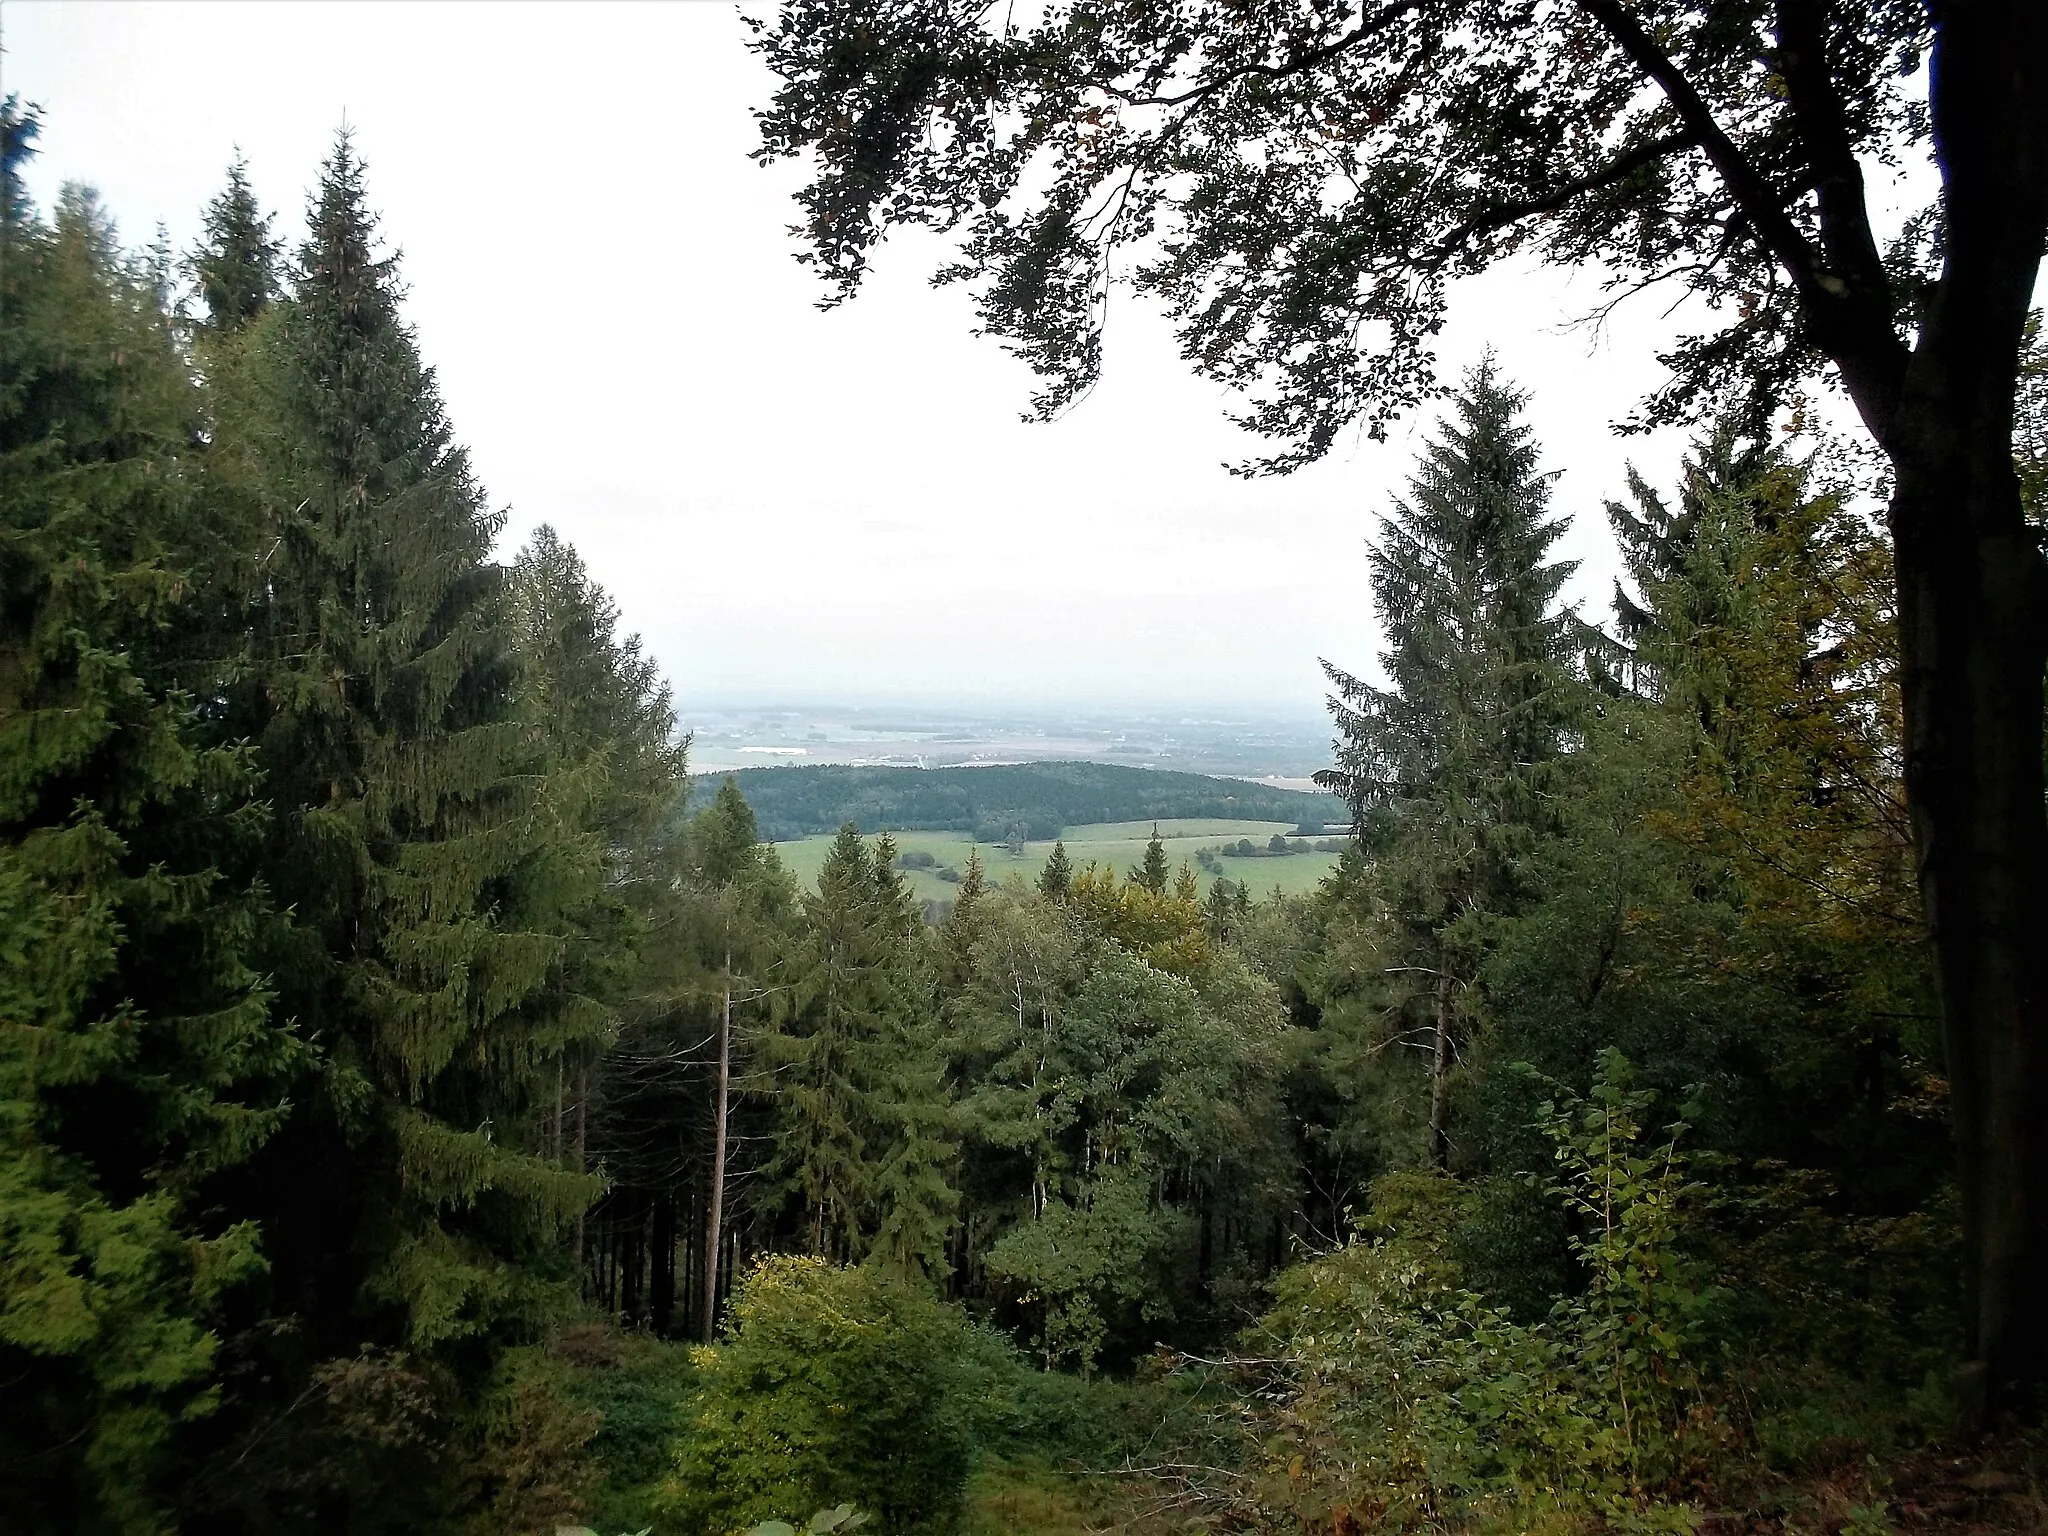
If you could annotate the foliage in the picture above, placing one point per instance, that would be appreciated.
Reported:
(1042, 798)
(832, 1384)
(863, 1145)
(139, 1056)
(1410, 1398)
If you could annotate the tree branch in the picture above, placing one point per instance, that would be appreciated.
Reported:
(1379, 21)
(1501, 215)
(1858, 336)
(1760, 201)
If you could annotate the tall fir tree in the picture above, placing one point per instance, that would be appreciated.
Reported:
(1154, 872)
(1057, 878)
(1442, 767)
(863, 1147)
(235, 264)
(417, 843)
(139, 1056)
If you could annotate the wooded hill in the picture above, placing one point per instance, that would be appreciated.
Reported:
(1040, 798)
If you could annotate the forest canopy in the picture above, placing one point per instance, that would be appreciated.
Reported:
(1042, 798)
(426, 1107)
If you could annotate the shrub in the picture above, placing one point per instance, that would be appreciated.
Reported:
(834, 1385)
(1408, 1397)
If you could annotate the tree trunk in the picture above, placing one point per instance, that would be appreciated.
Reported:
(1971, 619)
(716, 1213)
(581, 1147)
(1973, 642)
(1440, 1076)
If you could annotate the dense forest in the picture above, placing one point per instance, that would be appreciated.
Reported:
(1038, 800)
(425, 1108)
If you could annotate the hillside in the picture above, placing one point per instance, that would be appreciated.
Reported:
(1037, 799)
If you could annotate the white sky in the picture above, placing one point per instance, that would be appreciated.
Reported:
(786, 503)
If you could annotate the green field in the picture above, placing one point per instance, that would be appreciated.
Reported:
(1119, 844)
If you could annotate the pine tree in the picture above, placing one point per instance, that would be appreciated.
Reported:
(1154, 873)
(236, 261)
(418, 839)
(140, 1059)
(862, 1145)
(1057, 878)
(1442, 766)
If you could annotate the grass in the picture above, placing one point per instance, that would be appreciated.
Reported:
(1007, 1499)
(1118, 844)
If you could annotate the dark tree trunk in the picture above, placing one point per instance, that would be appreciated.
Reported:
(1440, 1076)
(662, 1282)
(581, 1151)
(1973, 622)
(1971, 604)
(715, 1215)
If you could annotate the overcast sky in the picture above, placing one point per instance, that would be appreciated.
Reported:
(786, 503)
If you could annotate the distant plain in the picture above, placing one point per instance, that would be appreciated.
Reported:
(1118, 844)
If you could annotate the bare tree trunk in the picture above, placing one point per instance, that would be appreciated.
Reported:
(581, 1147)
(1439, 1076)
(716, 1214)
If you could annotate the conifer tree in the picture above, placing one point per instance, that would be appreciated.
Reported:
(1154, 873)
(140, 1059)
(1441, 767)
(415, 840)
(863, 1145)
(236, 261)
(1057, 878)
(743, 905)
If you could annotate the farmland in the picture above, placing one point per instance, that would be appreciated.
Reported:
(1118, 844)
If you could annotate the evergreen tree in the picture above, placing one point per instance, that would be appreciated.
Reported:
(743, 912)
(603, 736)
(236, 261)
(434, 868)
(140, 1060)
(1057, 878)
(862, 1145)
(1154, 873)
(1441, 767)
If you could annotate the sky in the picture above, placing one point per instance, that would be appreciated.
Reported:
(787, 503)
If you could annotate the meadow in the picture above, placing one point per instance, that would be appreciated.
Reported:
(1118, 844)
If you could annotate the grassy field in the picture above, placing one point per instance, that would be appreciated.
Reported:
(1119, 844)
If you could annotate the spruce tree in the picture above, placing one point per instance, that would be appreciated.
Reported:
(1056, 880)
(863, 1146)
(417, 843)
(236, 262)
(1442, 766)
(140, 1059)
(1154, 873)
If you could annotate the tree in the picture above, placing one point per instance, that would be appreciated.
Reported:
(1440, 767)
(594, 705)
(861, 1143)
(141, 1059)
(1058, 874)
(1300, 187)
(744, 929)
(235, 263)
(435, 866)
(1153, 873)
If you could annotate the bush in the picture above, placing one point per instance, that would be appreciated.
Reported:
(1407, 1395)
(915, 858)
(832, 1386)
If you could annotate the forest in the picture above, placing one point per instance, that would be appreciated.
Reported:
(427, 1109)
(1039, 800)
